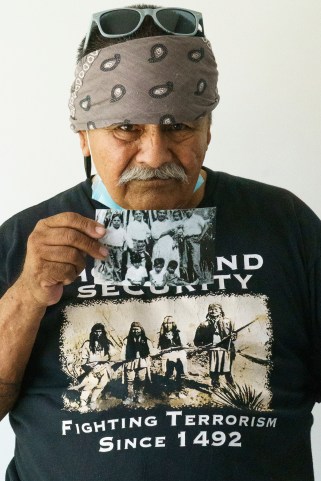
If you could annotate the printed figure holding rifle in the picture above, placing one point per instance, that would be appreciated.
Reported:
(96, 372)
(136, 368)
(217, 332)
(174, 361)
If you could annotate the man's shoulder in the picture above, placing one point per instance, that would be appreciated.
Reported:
(251, 203)
(223, 180)
(226, 321)
(252, 194)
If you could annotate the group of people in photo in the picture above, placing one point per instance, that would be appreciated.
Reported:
(137, 356)
(157, 248)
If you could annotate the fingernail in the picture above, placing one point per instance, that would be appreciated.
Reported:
(100, 230)
(103, 251)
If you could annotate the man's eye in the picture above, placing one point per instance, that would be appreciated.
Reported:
(176, 127)
(126, 127)
(127, 131)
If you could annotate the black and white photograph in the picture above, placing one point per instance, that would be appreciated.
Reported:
(157, 248)
(214, 352)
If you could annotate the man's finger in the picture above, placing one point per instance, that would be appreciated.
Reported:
(67, 237)
(64, 255)
(54, 273)
(74, 221)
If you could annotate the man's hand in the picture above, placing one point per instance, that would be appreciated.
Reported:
(56, 254)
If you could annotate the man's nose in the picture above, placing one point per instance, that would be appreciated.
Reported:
(154, 148)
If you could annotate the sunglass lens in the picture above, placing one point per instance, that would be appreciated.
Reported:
(177, 21)
(119, 22)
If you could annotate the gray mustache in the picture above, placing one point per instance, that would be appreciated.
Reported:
(165, 171)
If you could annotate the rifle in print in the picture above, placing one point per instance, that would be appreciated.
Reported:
(118, 364)
(212, 345)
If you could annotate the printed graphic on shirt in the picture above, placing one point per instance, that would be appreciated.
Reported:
(211, 350)
(158, 248)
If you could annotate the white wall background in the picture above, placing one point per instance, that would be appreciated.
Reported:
(267, 126)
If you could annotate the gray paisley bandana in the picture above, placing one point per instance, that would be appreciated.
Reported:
(151, 80)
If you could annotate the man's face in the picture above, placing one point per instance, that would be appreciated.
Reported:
(138, 215)
(168, 323)
(189, 213)
(214, 311)
(116, 222)
(140, 246)
(161, 215)
(206, 214)
(114, 149)
(176, 215)
(136, 331)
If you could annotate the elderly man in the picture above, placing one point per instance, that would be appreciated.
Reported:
(142, 98)
(217, 331)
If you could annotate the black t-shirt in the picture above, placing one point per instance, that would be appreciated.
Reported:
(238, 410)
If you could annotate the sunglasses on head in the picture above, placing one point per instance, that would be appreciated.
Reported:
(120, 22)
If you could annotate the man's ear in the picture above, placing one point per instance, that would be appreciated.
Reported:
(84, 143)
(209, 135)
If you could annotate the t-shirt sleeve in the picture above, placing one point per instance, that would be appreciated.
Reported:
(7, 232)
(315, 309)
(14, 235)
(310, 226)
(3, 273)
